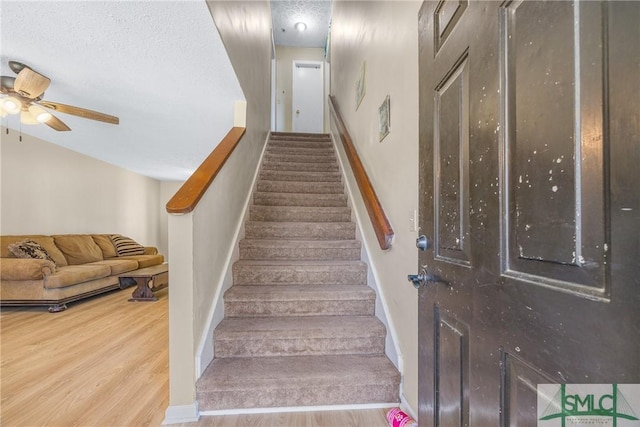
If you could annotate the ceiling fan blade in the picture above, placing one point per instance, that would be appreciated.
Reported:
(31, 84)
(81, 112)
(7, 84)
(57, 124)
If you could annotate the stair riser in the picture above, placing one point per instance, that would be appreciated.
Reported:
(329, 231)
(287, 214)
(299, 135)
(300, 151)
(269, 346)
(302, 275)
(300, 138)
(320, 145)
(299, 159)
(310, 395)
(300, 199)
(301, 176)
(291, 166)
(281, 253)
(364, 307)
(301, 187)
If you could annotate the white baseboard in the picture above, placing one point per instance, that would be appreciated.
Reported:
(178, 414)
(404, 405)
(298, 409)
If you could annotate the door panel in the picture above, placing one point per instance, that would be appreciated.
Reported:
(451, 154)
(452, 365)
(553, 96)
(528, 186)
(518, 387)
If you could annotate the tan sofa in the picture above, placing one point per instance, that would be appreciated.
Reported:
(83, 265)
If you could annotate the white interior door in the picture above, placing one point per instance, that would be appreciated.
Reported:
(307, 94)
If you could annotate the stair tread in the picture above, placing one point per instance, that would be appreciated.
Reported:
(284, 149)
(296, 263)
(285, 243)
(295, 292)
(301, 224)
(309, 327)
(301, 176)
(269, 186)
(300, 213)
(300, 158)
(251, 373)
(300, 230)
(292, 166)
(265, 198)
(303, 208)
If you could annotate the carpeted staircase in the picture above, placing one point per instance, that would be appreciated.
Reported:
(299, 326)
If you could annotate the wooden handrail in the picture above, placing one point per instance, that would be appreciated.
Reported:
(378, 218)
(188, 196)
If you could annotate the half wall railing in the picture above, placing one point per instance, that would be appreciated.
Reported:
(188, 196)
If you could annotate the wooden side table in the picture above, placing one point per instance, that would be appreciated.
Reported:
(156, 275)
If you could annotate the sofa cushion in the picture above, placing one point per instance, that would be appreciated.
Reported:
(119, 266)
(29, 249)
(106, 245)
(74, 274)
(26, 269)
(78, 248)
(126, 246)
(45, 241)
(146, 260)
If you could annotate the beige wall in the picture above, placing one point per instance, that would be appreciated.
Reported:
(48, 189)
(385, 35)
(285, 56)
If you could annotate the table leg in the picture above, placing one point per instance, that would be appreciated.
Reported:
(142, 291)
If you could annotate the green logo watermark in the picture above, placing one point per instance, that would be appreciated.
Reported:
(593, 405)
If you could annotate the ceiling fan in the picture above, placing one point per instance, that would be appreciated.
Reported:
(23, 95)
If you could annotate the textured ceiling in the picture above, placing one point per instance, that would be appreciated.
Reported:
(315, 13)
(159, 66)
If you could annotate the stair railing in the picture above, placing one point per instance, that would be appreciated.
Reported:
(378, 218)
(188, 196)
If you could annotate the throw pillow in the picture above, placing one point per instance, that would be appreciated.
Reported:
(126, 246)
(29, 249)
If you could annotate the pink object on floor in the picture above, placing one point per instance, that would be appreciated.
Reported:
(399, 418)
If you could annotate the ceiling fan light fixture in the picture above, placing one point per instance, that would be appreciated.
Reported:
(11, 105)
(39, 113)
(26, 118)
(301, 26)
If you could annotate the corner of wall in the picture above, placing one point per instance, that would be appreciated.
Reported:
(179, 414)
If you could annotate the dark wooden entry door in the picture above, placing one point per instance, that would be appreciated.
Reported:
(529, 154)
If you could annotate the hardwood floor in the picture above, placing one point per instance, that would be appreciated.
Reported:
(104, 362)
